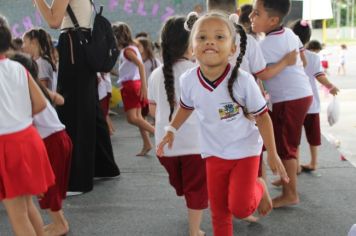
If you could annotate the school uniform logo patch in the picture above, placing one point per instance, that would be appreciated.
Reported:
(228, 110)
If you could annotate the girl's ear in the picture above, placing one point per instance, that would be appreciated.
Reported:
(233, 49)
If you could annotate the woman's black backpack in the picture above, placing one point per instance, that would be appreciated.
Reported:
(101, 49)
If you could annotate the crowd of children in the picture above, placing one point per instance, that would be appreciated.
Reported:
(238, 85)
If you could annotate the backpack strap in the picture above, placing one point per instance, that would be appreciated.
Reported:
(71, 14)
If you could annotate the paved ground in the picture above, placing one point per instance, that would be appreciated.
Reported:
(141, 202)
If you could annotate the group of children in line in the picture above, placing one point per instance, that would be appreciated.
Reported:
(208, 99)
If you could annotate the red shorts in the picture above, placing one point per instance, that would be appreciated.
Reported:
(59, 149)
(325, 64)
(104, 103)
(288, 118)
(24, 165)
(187, 174)
(312, 129)
(130, 95)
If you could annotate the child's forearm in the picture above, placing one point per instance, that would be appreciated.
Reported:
(265, 127)
(324, 81)
(181, 116)
(141, 70)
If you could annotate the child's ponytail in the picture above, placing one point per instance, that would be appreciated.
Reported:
(174, 43)
(243, 44)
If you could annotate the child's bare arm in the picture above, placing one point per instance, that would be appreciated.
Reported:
(131, 55)
(324, 81)
(181, 116)
(303, 58)
(271, 71)
(265, 127)
(56, 98)
(152, 110)
(52, 14)
(38, 101)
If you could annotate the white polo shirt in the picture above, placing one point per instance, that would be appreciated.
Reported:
(127, 69)
(292, 82)
(104, 85)
(47, 121)
(313, 70)
(225, 131)
(15, 101)
(187, 138)
(253, 61)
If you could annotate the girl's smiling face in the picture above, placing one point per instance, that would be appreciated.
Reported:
(213, 42)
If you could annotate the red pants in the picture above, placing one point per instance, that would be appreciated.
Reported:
(233, 189)
(312, 129)
(59, 149)
(187, 176)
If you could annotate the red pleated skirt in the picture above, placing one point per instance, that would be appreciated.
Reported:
(59, 149)
(24, 165)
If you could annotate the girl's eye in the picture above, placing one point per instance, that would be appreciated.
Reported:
(220, 37)
(201, 37)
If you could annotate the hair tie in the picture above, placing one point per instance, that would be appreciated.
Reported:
(191, 19)
(234, 18)
(304, 23)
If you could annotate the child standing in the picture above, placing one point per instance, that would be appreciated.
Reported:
(342, 60)
(315, 72)
(59, 149)
(132, 81)
(25, 169)
(183, 162)
(289, 91)
(226, 100)
(38, 45)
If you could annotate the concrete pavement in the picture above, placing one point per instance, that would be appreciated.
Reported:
(141, 203)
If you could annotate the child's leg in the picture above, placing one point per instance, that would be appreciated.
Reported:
(195, 218)
(110, 125)
(147, 145)
(134, 118)
(17, 210)
(312, 131)
(35, 217)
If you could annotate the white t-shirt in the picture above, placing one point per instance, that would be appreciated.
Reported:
(225, 131)
(150, 65)
(47, 122)
(15, 101)
(253, 60)
(104, 85)
(127, 69)
(292, 82)
(187, 138)
(45, 71)
(313, 70)
(83, 11)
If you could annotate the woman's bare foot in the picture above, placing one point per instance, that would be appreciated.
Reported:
(251, 219)
(144, 151)
(277, 182)
(265, 205)
(282, 201)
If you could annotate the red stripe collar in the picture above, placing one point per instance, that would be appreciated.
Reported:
(208, 84)
(276, 31)
(2, 57)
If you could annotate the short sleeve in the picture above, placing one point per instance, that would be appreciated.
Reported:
(185, 92)
(300, 46)
(152, 87)
(252, 97)
(45, 70)
(318, 68)
(257, 62)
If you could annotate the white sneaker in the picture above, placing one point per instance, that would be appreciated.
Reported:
(70, 193)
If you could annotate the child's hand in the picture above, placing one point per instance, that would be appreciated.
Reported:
(168, 138)
(291, 58)
(277, 167)
(334, 91)
(143, 93)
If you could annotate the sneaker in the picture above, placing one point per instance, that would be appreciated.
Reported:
(72, 193)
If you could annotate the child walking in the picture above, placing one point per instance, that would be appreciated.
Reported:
(59, 149)
(228, 104)
(25, 168)
(185, 167)
(315, 73)
(290, 91)
(132, 81)
(37, 43)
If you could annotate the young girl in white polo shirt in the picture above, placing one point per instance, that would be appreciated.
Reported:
(132, 81)
(228, 104)
(183, 162)
(25, 168)
(315, 72)
(59, 149)
(290, 91)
